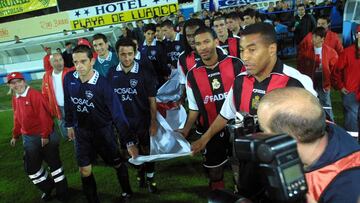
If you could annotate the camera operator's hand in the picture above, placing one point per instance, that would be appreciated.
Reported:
(199, 144)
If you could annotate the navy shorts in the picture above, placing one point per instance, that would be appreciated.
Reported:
(217, 150)
(101, 141)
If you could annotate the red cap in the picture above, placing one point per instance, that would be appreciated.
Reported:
(83, 41)
(46, 48)
(14, 75)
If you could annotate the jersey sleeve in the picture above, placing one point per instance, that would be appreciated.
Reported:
(182, 77)
(228, 110)
(191, 99)
(69, 112)
(17, 125)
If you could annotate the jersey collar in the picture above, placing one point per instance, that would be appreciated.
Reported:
(278, 69)
(221, 57)
(134, 69)
(153, 43)
(108, 58)
(24, 93)
(93, 80)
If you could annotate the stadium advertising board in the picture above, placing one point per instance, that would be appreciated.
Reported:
(261, 4)
(119, 12)
(14, 7)
(42, 25)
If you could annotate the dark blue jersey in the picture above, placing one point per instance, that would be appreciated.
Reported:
(92, 104)
(103, 65)
(155, 53)
(134, 89)
(173, 50)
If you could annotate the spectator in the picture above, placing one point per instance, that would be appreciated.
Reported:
(302, 24)
(67, 55)
(46, 59)
(233, 23)
(249, 17)
(331, 38)
(318, 62)
(347, 80)
(331, 157)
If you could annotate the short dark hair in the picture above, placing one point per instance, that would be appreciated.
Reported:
(150, 26)
(232, 15)
(266, 30)
(83, 49)
(301, 5)
(249, 12)
(125, 42)
(192, 22)
(220, 17)
(167, 23)
(319, 31)
(325, 17)
(68, 43)
(99, 36)
(203, 30)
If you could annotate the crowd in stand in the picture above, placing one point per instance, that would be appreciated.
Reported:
(226, 62)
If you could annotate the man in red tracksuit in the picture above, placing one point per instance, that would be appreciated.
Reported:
(331, 38)
(32, 121)
(46, 59)
(347, 77)
(318, 62)
(53, 89)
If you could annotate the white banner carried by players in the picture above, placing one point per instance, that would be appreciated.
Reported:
(167, 143)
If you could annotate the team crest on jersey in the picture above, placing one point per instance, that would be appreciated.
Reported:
(88, 94)
(215, 84)
(153, 52)
(133, 83)
(255, 102)
(177, 47)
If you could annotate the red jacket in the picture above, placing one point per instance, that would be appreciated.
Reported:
(49, 94)
(307, 64)
(46, 61)
(331, 39)
(347, 72)
(31, 115)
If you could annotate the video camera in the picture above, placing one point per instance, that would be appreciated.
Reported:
(275, 156)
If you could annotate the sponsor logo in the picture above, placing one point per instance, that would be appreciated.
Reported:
(214, 98)
(259, 91)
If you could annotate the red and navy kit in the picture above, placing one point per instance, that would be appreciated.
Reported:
(231, 46)
(335, 176)
(31, 114)
(156, 55)
(173, 50)
(206, 90)
(209, 87)
(246, 93)
(185, 63)
(92, 104)
(133, 90)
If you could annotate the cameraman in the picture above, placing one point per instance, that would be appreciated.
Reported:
(331, 157)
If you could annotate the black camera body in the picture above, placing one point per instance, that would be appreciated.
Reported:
(275, 155)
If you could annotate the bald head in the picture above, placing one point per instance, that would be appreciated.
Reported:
(294, 111)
